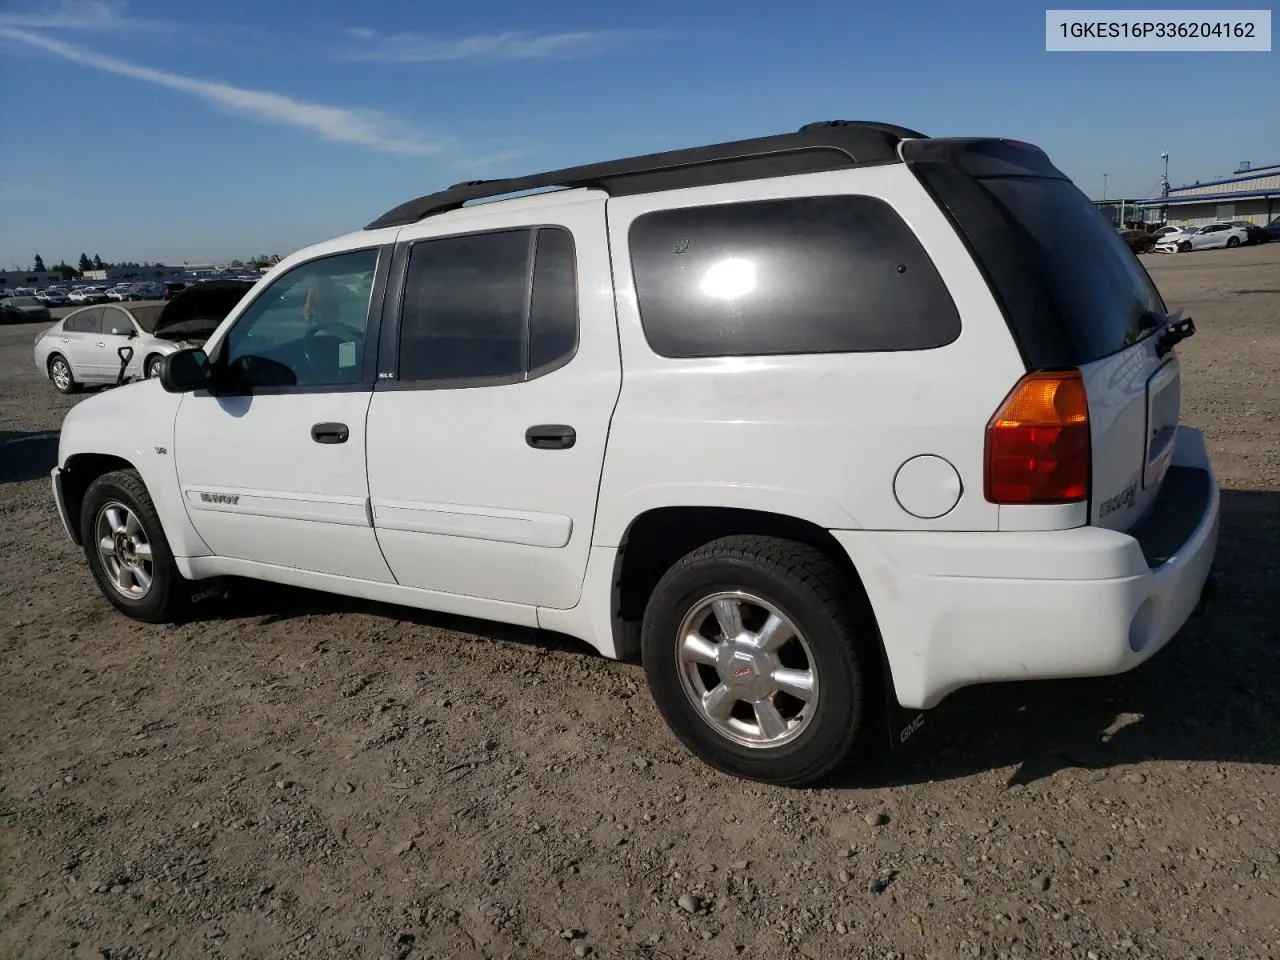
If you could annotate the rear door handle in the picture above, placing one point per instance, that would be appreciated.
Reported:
(551, 436)
(330, 433)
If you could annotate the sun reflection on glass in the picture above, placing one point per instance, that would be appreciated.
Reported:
(729, 279)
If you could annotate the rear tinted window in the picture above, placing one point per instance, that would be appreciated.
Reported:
(1099, 287)
(837, 274)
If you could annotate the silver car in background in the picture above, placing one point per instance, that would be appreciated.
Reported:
(83, 348)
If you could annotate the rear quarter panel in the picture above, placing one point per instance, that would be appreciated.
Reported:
(816, 436)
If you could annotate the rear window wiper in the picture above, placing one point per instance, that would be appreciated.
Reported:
(1173, 333)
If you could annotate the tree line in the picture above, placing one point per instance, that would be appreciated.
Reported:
(68, 272)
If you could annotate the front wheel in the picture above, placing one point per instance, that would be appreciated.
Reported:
(152, 369)
(127, 549)
(757, 659)
(1233, 241)
(1184, 247)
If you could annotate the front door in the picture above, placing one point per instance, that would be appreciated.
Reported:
(117, 331)
(487, 438)
(271, 462)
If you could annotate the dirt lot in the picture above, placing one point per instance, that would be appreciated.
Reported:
(292, 774)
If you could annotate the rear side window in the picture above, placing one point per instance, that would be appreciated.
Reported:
(473, 309)
(86, 321)
(839, 274)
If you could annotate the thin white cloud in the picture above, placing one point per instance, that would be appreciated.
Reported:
(92, 16)
(366, 128)
(512, 45)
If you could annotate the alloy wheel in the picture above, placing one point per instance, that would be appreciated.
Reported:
(747, 669)
(125, 550)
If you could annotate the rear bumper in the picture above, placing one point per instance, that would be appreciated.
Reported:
(956, 609)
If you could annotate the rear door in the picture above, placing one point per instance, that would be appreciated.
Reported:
(79, 342)
(488, 422)
(1075, 296)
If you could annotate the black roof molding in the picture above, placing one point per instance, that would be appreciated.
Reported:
(815, 147)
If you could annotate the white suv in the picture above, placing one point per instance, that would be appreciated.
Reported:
(822, 426)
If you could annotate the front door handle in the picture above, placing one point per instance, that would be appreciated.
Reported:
(330, 433)
(551, 436)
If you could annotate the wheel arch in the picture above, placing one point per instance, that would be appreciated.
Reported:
(79, 471)
(655, 539)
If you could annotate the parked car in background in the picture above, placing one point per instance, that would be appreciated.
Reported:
(82, 348)
(171, 287)
(1139, 241)
(118, 294)
(1256, 233)
(22, 310)
(53, 298)
(88, 295)
(1210, 236)
(1272, 230)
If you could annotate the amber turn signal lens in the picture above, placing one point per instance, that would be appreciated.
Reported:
(1038, 447)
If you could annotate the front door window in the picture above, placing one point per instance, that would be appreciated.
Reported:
(308, 328)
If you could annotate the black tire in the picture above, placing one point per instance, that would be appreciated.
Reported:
(168, 592)
(1184, 247)
(72, 386)
(151, 366)
(1233, 242)
(803, 585)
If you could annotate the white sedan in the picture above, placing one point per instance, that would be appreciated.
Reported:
(1208, 237)
(83, 347)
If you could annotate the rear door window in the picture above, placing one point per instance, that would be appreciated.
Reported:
(834, 274)
(474, 311)
(86, 321)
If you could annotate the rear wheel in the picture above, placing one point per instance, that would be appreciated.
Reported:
(758, 661)
(60, 373)
(1233, 241)
(127, 549)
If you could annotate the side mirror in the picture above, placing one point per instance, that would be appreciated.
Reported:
(185, 370)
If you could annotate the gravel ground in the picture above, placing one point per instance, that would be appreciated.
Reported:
(294, 774)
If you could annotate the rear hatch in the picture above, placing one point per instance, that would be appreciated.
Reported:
(1075, 296)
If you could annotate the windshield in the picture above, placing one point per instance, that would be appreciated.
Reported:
(147, 316)
(26, 302)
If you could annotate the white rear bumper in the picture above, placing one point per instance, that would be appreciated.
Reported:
(956, 609)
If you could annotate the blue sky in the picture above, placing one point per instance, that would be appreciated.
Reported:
(160, 131)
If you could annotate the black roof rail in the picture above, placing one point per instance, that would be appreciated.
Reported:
(815, 147)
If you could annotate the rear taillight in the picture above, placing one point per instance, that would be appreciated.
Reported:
(1038, 442)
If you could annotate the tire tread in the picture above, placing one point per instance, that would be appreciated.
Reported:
(810, 570)
(178, 591)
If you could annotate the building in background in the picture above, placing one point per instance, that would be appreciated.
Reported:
(1250, 193)
(38, 279)
(1127, 214)
(153, 272)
